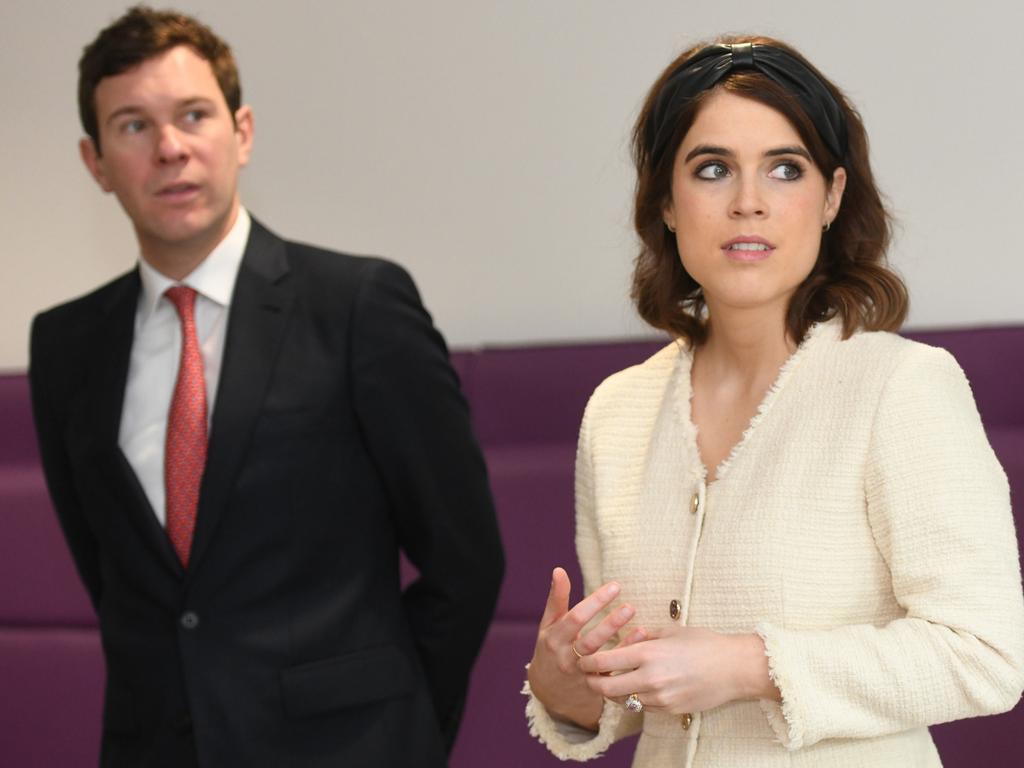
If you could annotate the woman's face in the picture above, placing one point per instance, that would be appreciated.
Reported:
(748, 205)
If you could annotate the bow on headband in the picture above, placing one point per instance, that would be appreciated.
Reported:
(710, 65)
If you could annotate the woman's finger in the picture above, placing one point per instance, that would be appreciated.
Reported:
(597, 636)
(558, 598)
(617, 686)
(569, 626)
(619, 659)
(635, 635)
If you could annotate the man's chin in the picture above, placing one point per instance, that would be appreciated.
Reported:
(186, 232)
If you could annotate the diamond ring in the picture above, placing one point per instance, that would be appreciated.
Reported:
(633, 703)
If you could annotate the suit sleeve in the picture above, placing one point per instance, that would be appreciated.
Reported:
(416, 424)
(48, 413)
(938, 505)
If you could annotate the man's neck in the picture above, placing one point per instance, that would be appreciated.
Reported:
(179, 259)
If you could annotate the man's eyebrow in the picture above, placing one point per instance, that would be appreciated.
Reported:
(191, 102)
(135, 109)
(709, 149)
(128, 109)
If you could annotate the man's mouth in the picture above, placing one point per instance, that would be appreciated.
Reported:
(178, 188)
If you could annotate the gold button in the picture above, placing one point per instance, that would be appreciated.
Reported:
(685, 719)
(674, 609)
(695, 503)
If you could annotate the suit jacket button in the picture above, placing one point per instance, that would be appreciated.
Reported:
(685, 720)
(190, 620)
(695, 503)
(675, 610)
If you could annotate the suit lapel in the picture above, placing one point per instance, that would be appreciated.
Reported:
(105, 398)
(260, 306)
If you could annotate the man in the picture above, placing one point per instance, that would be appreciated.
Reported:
(238, 437)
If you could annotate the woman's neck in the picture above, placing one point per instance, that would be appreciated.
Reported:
(745, 346)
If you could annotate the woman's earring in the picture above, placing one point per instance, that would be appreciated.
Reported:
(827, 225)
(670, 228)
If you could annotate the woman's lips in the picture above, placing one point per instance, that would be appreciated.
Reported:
(748, 249)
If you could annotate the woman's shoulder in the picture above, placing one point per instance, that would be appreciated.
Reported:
(891, 365)
(638, 387)
(652, 372)
(889, 353)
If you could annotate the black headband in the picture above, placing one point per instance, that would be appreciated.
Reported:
(709, 65)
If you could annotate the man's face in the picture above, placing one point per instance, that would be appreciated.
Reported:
(170, 151)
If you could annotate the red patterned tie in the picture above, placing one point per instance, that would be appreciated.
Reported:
(185, 454)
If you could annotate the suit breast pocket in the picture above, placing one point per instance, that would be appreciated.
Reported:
(364, 676)
(313, 399)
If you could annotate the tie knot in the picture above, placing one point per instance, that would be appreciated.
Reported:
(183, 298)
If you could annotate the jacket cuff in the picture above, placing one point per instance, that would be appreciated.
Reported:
(568, 741)
(784, 719)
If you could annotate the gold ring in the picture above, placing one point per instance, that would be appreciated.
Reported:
(573, 646)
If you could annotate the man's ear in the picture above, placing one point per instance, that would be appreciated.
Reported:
(244, 128)
(93, 161)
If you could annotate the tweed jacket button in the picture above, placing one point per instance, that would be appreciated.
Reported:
(190, 620)
(675, 610)
(685, 719)
(695, 503)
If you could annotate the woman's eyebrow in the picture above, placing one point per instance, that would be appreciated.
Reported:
(795, 150)
(710, 149)
(707, 149)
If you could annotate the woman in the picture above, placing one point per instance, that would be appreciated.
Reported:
(796, 540)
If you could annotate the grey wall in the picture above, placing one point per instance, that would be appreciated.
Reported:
(483, 145)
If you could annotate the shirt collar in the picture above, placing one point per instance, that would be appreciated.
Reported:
(214, 278)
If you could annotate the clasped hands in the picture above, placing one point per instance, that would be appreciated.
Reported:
(674, 670)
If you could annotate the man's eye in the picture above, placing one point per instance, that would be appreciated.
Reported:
(712, 171)
(133, 126)
(786, 172)
(195, 115)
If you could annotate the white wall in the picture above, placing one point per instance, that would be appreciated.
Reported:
(483, 144)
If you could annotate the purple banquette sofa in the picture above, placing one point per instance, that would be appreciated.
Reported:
(526, 404)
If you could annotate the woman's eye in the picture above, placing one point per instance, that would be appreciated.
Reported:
(712, 171)
(786, 172)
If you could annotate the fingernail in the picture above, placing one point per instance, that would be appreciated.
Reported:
(625, 611)
(611, 590)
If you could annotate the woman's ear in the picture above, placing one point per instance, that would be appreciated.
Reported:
(834, 195)
(668, 215)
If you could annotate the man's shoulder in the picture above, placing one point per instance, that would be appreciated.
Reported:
(326, 263)
(76, 311)
(318, 262)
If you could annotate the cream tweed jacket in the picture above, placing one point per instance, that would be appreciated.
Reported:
(861, 526)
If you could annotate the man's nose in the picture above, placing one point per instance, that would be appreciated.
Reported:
(170, 146)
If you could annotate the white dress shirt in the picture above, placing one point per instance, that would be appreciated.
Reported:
(156, 352)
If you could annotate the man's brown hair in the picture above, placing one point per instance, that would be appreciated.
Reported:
(850, 278)
(140, 34)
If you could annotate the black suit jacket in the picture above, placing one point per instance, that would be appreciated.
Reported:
(339, 436)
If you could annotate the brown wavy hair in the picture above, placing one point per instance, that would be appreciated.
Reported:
(140, 34)
(851, 277)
